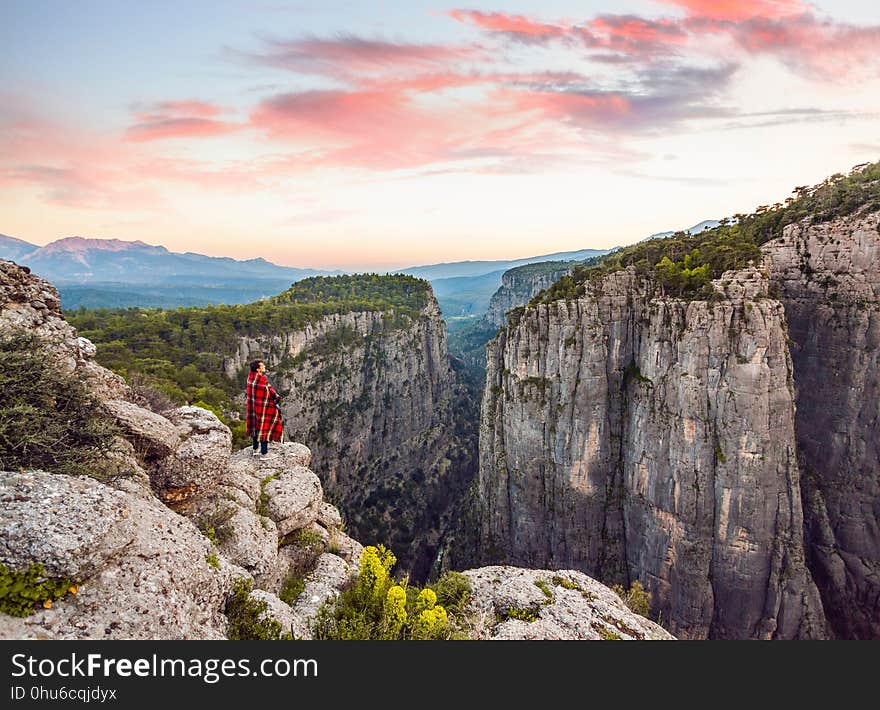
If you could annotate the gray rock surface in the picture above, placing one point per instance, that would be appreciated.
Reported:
(152, 434)
(828, 278)
(290, 621)
(294, 498)
(252, 542)
(199, 462)
(142, 570)
(329, 576)
(329, 516)
(577, 608)
(636, 437)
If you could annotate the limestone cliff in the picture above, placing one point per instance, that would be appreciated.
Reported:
(828, 278)
(373, 394)
(641, 437)
(519, 285)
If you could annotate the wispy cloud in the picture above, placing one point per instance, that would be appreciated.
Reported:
(178, 119)
(347, 55)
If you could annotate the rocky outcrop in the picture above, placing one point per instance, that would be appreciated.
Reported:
(140, 571)
(638, 437)
(513, 603)
(195, 465)
(29, 304)
(153, 434)
(294, 499)
(828, 278)
(373, 393)
(154, 551)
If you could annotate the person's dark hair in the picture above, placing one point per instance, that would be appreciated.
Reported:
(255, 365)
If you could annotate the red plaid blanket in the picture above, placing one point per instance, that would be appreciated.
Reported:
(263, 417)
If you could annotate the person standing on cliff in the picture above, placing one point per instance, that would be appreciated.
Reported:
(263, 417)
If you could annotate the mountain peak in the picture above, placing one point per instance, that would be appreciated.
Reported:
(78, 245)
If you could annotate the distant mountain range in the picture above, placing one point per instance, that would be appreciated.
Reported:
(696, 229)
(112, 273)
(455, 269)
(75, 260)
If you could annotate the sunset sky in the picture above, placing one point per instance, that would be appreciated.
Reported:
(387, 134)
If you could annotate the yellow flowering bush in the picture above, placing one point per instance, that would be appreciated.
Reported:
(376, 563)
(375, 607)
(430, 623)
(426, 599)
(395, 611)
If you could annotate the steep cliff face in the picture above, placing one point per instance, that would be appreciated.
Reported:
(373, 393)
(828, 278)
(647, 438)
(519, 285)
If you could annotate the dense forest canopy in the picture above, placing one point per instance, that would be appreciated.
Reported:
(684, 264)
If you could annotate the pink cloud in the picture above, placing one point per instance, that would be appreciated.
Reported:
(178, 119)
(382, 128)
(179, 128)
(518, 26)
(787, 29)
(737, 10)
(348, 55)
(631, 34)
(187, 108)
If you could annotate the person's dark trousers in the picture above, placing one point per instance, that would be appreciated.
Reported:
(264, 446)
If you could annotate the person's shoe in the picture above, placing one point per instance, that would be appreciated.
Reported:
(266, 457)
(255, 453)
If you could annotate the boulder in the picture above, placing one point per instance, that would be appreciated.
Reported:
(153, 434)
(252, 542)
(199, 462)
(543, 605)
(293, 498)
(345, 547)
(142, 571)
(329, 516)
(243, 473)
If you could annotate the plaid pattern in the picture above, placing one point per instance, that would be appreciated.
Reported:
(263, 417)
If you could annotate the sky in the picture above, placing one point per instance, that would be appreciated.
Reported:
(388, 134)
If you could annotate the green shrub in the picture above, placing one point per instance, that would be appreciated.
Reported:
(246, 617)
(453, 591)
(264, 496)
(564, 583)
(309, 539)
(215, 525)
(607, 634)
(49, 418)
(528, 615)
(292, 589)
(544, 586)
(21, 593)
(636, 598)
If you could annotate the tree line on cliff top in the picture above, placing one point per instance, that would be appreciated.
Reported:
(683, 265)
